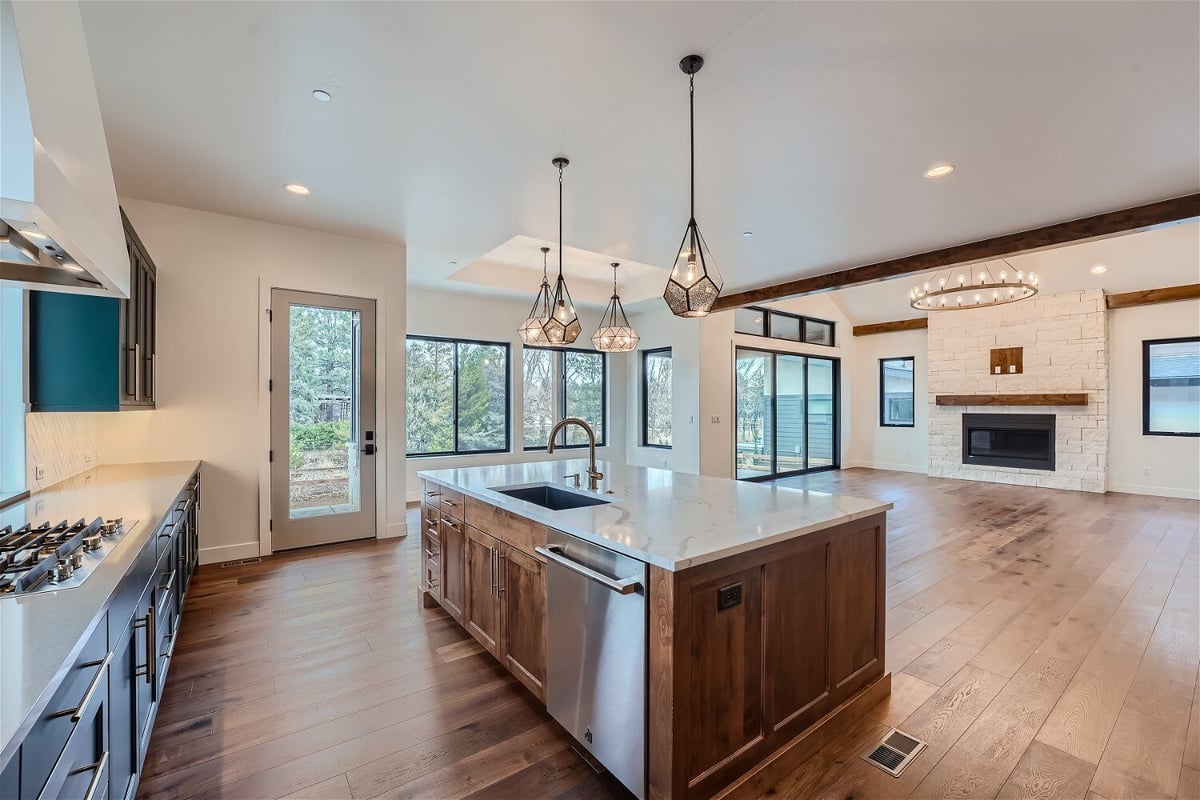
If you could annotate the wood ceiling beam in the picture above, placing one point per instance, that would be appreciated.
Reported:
(1112, 223)
(1168, 294)
(920, 323)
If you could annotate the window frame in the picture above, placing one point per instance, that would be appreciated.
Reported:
(652, 353)
(883, 423)
(801, 319)
(507, 396)
(561, 395)
(1146, 345)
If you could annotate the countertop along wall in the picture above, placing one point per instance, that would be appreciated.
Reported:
(489, 318)
(215, 273)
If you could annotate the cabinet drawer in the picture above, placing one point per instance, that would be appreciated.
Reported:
(449, 502)
(513, 530)
(82, 771)
(81, 692)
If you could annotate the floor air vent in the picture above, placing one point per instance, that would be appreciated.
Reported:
(239, 562)
(894, 752)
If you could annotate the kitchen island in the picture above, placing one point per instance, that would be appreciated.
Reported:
(763, 620)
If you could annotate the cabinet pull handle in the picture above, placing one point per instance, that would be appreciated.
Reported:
(151, 640)
(432, 494)
(77, 712)
(446, 502)
(450, 525)
(171, 645)
(137, 372)
(97, 770)
(499, 573)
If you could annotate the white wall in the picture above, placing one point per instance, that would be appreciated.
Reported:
(660, 328)
(870, 444)
(215, 274)
(471, 316)
(1158, 465)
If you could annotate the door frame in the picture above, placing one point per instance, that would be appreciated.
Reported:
(263, 427)
(836, 363)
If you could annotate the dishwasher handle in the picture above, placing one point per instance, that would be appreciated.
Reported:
(555, 553)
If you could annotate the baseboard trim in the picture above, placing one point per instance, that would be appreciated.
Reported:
(887, 466)
(1154, 491)
(394, 530)
(228, 552)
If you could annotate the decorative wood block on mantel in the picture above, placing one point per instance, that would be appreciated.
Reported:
(1064, 399)
(1008, 360)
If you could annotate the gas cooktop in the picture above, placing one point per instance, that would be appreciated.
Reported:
(45, 557)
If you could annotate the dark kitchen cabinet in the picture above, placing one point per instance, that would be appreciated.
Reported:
(138, 324)
(91, 353)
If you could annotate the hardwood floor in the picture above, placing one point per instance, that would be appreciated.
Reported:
(1045, 644)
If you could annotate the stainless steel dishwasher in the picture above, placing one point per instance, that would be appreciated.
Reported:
(596, 652)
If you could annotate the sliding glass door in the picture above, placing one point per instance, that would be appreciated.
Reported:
(786, 413)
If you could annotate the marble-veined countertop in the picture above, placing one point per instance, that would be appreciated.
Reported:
(670, 519)
(41, 633)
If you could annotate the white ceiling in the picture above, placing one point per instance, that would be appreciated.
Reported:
(1166, 256)
(815, 119)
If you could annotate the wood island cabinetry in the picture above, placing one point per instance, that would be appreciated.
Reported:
(755, 659)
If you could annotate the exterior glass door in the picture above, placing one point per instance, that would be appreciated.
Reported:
(786, 413)
(323, 441)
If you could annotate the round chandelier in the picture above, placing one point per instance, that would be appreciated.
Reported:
(959, 288)
(615, 334)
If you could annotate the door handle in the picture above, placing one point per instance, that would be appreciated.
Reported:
(555, 553)
(369, 449)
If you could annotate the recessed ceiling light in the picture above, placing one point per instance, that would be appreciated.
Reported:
(69, 267)
(1099, 269)
(454, 263)
(297, 188)
(31, 234)
(747, 234)
(321, 96)
(939, 170)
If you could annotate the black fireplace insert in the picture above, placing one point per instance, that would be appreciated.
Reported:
(1009, 440)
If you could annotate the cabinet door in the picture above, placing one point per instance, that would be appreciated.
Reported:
(483, 596)
(146, 309)
(82, 771)
(523, 624)
(454, 567)
(122, 715)
(128, 329)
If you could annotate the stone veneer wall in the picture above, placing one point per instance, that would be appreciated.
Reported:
(1065, 341)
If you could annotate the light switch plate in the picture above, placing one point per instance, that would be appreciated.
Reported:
(715, 419)
(39, 472)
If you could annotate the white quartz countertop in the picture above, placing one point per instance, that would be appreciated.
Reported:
(670, 519)
(41, 634)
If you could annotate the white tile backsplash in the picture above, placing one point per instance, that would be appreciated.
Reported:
(63, 445)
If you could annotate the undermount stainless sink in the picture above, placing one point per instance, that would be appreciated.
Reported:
(549, 496)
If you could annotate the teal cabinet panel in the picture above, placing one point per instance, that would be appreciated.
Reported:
(74, 360)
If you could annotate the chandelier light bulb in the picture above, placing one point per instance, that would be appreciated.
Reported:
(1003, 276)
(961, 279)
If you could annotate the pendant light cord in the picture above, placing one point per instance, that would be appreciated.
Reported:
(692, 132)
(560, 225)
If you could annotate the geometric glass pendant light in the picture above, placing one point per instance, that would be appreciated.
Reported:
(695, 283)
(533, 330)
(615, 334)
(563, 325)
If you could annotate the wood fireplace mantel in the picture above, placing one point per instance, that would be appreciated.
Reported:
(1061, 399)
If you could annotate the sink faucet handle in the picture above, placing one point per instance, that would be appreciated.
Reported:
(594, 478)
(574, 477)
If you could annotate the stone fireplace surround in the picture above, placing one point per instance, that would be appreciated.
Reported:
(1065, 341)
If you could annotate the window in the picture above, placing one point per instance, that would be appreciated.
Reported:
(786, 413)
(12, 392)
(656, 398)
(759, 321)
(1171, 387)
(896, 392)
(561, 383)
(457, 396)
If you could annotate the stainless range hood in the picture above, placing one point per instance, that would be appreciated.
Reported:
(60, 227)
